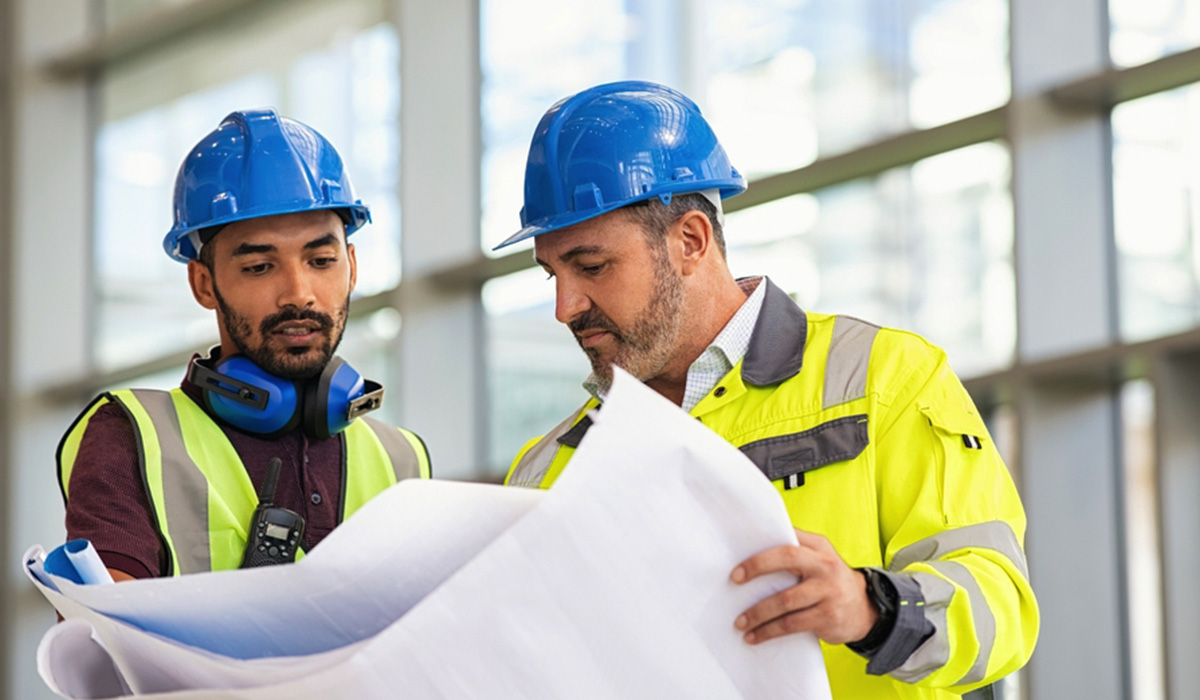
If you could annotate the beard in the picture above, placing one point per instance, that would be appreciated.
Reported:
(649, 344)
(286, 363)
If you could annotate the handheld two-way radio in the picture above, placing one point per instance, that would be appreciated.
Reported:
(275, 532)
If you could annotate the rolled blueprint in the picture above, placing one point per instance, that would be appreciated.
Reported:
(77, 561)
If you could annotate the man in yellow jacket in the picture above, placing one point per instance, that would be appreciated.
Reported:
(908, 556)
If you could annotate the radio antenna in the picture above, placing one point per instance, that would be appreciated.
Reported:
(266, 497)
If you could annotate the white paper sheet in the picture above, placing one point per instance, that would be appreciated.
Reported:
(615, 584)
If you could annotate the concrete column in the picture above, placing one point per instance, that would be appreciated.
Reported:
(50, 281)
(1062, 183)
(1176, 385)
(441, 379)
(1069, 473)
(7, 232)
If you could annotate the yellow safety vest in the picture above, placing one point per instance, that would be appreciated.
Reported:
(200, 494)
(872, 441)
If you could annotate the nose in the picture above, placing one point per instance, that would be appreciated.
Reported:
(296, 288)
(569, 302)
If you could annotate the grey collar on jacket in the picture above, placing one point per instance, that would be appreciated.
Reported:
(777, 345)
(776, 349)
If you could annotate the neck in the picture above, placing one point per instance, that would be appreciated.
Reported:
(708, 312)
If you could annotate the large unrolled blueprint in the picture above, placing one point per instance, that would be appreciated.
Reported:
(614, 584)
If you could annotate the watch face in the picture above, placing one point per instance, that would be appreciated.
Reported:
(878, 593)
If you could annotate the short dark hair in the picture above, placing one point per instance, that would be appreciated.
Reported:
(207, 256)
(656, 217)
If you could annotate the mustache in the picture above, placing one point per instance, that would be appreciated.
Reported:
(594, 319)
(270, 322)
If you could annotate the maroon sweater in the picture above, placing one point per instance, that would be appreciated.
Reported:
(109, 506)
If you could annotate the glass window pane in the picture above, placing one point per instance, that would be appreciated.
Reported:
(533, 53)
(782, 81)
(534, 367)
(1155, 153)
(926, 248)
(1144, 30)
(790, 80)
(335, 68)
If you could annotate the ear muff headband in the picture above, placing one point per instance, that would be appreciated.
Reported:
(242, 394)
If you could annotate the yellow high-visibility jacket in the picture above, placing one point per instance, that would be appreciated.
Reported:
(873, 442)
(183, 454)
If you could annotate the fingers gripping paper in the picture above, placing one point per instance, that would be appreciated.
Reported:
(614, 584)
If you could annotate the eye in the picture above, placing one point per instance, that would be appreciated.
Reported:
(323, 262)
(592, 269)
(256, 269)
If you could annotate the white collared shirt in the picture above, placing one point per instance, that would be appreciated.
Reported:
(725, 351)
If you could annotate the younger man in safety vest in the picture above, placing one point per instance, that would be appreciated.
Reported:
(908, 552)
(167, 483)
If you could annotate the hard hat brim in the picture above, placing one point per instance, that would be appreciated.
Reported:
(728, 188)
(176, 243)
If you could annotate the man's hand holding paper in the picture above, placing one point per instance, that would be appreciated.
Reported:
(829, 599)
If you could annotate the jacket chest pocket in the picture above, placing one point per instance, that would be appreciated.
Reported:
(789, 457)
(838, 500)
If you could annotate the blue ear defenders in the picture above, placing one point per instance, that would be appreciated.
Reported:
(240, 393)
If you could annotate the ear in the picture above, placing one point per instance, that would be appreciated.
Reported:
(201, 280)
(693, 232)
(353, 265)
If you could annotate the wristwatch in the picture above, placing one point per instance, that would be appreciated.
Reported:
(883, 596)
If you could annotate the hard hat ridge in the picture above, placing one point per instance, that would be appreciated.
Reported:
(255, 164)
(616, 144)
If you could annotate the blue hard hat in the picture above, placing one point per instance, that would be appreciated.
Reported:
(616, 144)
(254, 164)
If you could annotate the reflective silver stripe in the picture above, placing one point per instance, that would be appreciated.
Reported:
(846, 364)
(537, 460)
(981, 613)
(405, 461)
(935, 652)
(185, 488)
(996, 535)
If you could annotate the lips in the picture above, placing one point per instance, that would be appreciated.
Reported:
(297, 332)
(590, 338)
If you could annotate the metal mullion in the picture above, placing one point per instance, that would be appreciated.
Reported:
(148, 32)
(1116, 85)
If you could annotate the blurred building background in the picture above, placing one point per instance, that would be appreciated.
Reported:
(1014, 179)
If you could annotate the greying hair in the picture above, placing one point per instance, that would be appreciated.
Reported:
(656, 218)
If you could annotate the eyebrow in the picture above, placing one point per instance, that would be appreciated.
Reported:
(573, 253)
(256, 248)
(327, 239)
(252, 249)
